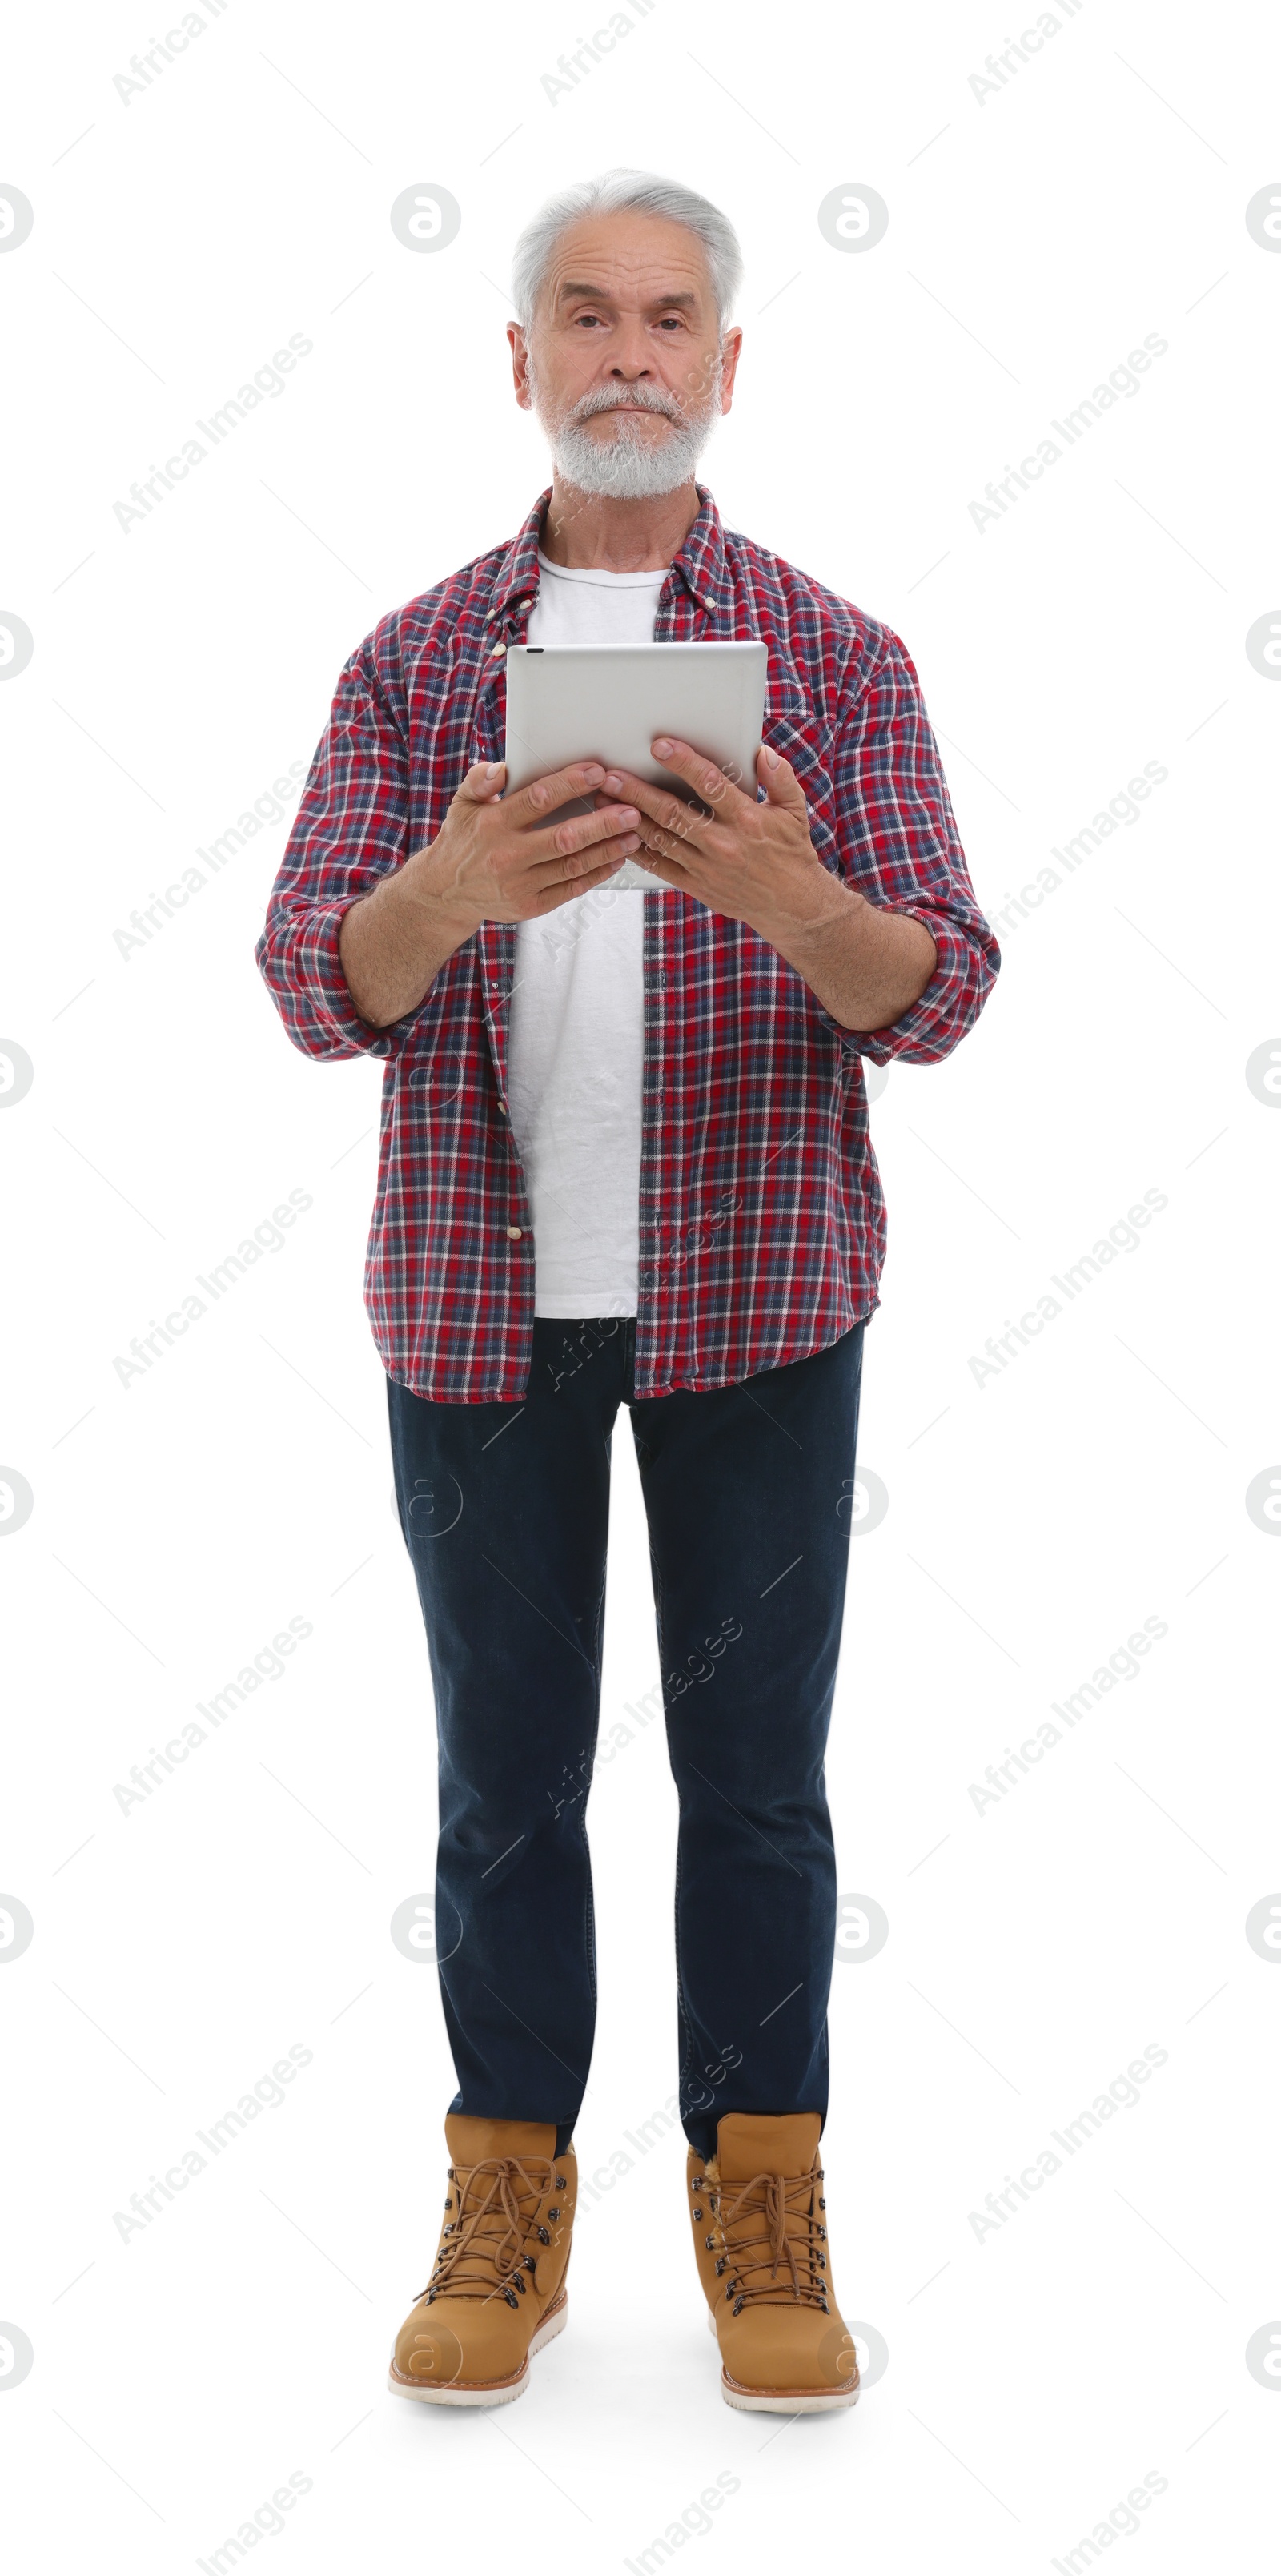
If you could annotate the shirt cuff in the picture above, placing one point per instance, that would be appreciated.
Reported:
(325, 991)
(934, 1023)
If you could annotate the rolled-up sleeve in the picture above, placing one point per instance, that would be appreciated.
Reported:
(351, 829)
(899, 847)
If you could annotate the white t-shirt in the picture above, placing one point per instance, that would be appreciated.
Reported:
(575, 1046)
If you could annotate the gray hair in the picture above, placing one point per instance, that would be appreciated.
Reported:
(616, 192)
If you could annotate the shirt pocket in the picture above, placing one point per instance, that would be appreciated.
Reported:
(795, 727)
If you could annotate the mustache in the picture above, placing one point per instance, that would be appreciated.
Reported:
(627, 398)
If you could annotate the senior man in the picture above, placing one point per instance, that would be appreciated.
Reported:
(625, 1159)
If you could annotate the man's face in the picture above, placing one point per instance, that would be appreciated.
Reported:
(623, 365)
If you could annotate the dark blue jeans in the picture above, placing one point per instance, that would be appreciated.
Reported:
(748, 1493)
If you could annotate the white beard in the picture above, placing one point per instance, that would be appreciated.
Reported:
(629, 466)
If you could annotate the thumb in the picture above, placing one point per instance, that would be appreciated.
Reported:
(779, 780)
(484, 781)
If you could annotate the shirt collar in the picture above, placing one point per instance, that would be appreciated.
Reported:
(700, 563)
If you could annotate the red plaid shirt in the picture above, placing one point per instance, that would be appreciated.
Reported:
(761, 1216)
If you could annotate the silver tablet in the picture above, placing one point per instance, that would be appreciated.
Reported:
(607, 701)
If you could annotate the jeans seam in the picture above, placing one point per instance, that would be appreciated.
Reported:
(589, 1910)
(686, 2066)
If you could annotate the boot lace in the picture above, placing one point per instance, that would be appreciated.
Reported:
(483, 2253)
(774, 2241)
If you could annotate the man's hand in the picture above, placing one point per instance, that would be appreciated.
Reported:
(493, 859)
(756, 863)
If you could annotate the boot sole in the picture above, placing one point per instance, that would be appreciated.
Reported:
(782, 2401)
(487, 2392)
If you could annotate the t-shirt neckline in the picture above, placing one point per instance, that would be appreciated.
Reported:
(597, 574)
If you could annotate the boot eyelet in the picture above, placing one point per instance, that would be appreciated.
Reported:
(543, 2237)
(710, 2243)
(698, 2213)
(553, 2213)
(561, 2184)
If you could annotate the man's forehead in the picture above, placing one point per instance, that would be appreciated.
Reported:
(671, 269)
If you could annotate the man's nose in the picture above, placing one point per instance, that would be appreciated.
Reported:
(631, 349)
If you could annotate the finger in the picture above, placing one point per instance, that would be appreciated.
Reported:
(666, 850)
(717, 789)
(579, 832)
(484, 781)
(543, 795)
(684, 822)
(585, 869)
(779, 780)
(585, 863)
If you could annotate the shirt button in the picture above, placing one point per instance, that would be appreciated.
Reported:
(514, 1233)
(497, 650)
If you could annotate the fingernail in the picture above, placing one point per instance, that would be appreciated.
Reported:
(661, 746)
(771, 759)
(492, 768)
(628, 814)
(631, 841)
(613, 778)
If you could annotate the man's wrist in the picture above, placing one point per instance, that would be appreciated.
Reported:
(423, 884)
(803, 932)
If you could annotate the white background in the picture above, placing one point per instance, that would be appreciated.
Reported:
(1035, 2375)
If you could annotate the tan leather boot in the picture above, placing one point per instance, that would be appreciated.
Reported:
(760, 2241)
(497, 2290)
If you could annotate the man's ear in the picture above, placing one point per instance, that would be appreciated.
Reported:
(520, 364)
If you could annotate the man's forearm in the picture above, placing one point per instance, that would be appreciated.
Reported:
(395, 940)
(867, 966)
